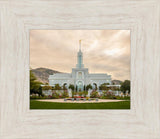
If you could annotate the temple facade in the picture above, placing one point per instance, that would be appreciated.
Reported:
(80, 76)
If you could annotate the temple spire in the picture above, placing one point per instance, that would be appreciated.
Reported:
(79, 57)
(79, 45)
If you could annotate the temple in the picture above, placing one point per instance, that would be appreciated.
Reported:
(80, 76)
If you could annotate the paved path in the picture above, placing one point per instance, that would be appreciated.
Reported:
(80, 101)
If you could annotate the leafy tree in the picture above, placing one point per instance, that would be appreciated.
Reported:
(71, 86)
(57, 87)
(103, 87)
(35, 86)
(64, 87)
(89, 86)
(125, 86)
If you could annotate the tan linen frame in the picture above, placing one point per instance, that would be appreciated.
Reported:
(18, 17)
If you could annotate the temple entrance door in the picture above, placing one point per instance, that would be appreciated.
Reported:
(80, 86)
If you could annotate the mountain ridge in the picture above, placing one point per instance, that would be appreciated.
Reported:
(42, 74)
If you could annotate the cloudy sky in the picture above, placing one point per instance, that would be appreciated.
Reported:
(104, 51)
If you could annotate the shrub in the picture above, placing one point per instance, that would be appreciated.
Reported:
(85, 93)
(87, 98)
(50, 96)
(80, 93)
(109, 95)
(47, 88)
(64, 94)
(55, 95)
(38, 97)
(94, 95)
(123, 98)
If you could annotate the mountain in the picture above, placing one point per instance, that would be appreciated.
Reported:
(42, 74)
(116, 82)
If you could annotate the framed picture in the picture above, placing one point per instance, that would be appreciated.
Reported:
(20, 18)
(69, 73)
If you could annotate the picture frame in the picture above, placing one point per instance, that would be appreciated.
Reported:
(19, 17)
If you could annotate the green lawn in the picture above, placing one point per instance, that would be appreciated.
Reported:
(103, 105)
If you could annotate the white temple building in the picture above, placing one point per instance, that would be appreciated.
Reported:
(80, 76)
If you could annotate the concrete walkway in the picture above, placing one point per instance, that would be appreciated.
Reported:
(80, 101)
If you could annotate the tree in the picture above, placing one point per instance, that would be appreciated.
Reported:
(103, 87)
(125, 86)
(71, 86)
(64, 86)
(89, 86)
(57, 87)
(35, 86)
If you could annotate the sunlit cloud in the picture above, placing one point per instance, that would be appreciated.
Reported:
(113, 52)
(104, 51)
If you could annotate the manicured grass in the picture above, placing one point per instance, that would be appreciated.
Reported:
(56, 105)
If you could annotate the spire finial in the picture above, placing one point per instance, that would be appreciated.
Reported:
(80, 45)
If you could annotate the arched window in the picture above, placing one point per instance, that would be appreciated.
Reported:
(80, 75)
